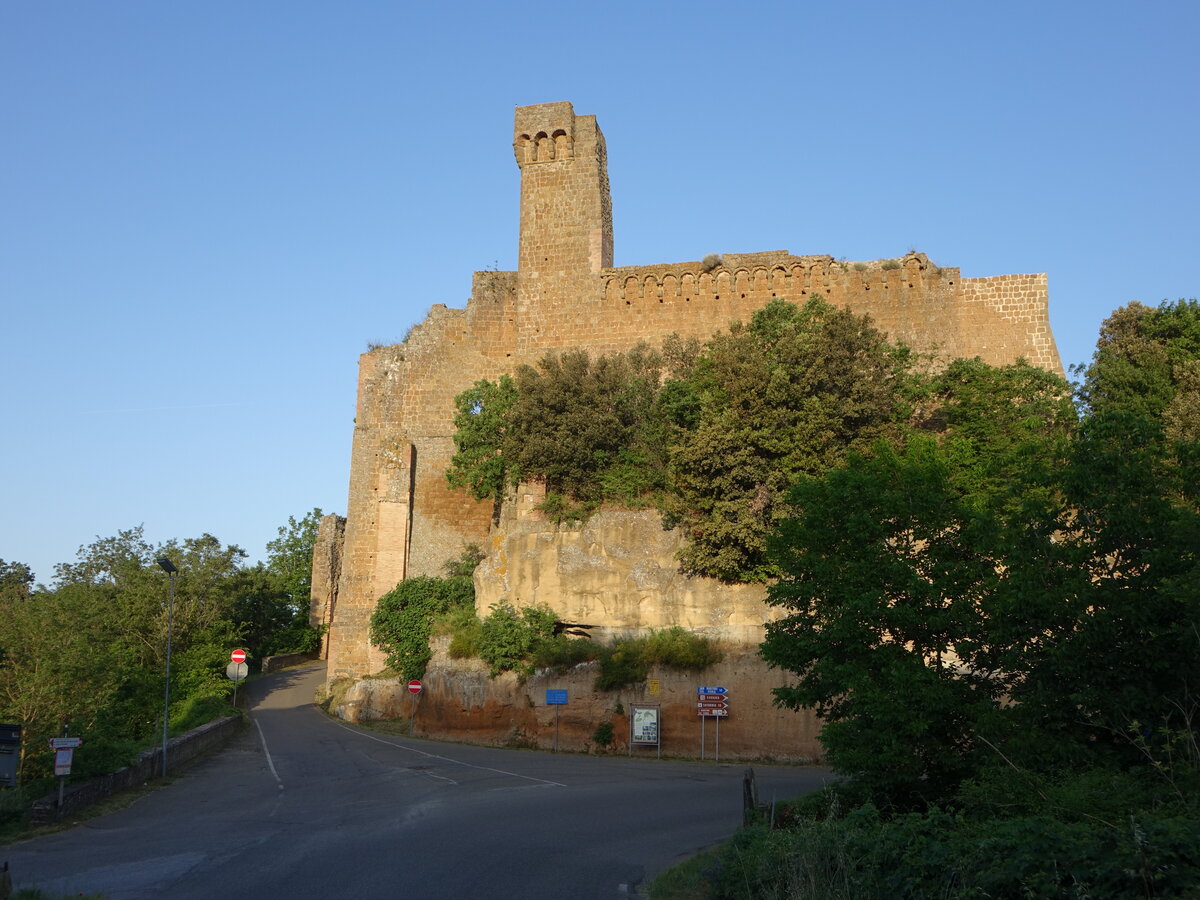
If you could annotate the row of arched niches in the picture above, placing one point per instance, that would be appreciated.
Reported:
(543, 147)
(775, 281)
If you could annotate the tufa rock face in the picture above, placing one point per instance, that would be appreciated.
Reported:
(461, 703)
(617, 573)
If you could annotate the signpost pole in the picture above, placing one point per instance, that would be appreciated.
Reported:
(237, 657)
(556, 697)
(718, 748)
(703, 719)
(414, 687)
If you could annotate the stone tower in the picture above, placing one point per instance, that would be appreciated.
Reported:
(566, 236)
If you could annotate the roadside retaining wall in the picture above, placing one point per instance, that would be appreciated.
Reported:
(286, 660)
(181, 751)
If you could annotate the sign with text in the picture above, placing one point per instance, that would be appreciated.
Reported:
(705, 689)
(643, 725)
(711, 703)
(556, 697)
(62, 760)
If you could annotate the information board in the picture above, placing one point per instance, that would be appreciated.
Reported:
(643, 725)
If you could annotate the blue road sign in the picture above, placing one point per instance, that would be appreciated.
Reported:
(705, 689)
(556, 697)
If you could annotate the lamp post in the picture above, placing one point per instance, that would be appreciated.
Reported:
(169, 568)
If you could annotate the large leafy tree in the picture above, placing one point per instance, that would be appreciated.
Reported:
(889, 573)
(272, 600)
(1124, 666)
(590, 430)
(479, 464)
(576, 419)
(787, 395)
(916, 578)
(1143, 357)
(1055, 563)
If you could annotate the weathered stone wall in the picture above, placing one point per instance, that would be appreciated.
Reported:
(461, 703)
(616, 573)
(326, 572)
(182, 751)
(402, 518)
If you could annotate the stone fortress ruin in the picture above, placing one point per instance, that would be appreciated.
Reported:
(617, 571)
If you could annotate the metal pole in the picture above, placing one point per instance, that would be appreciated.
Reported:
(555, 729)
(167, 690)
(703, 719)
(718, 756)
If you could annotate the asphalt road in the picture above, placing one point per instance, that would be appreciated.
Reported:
(303, 806)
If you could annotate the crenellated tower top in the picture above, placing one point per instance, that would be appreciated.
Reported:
(566, 209)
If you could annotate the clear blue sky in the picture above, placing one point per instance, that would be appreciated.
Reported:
(208, 209)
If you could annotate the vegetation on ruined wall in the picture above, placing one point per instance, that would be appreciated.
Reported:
(403, 620)
(998, 622)
(480, 426)
(786, 395)
(90, 651)
(627, 662)
(531, 639)
(508, 638)
(712, 435)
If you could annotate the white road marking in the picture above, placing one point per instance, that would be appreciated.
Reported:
(270, 762)
(446, 758)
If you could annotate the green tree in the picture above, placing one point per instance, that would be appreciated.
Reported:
(289, 557)
(917, 579)
(1142, 356)
(579, 425)
(480, 428)
(1124, 665)
(273, 606)
(787, 395)
(1006, 430)
(887, 573)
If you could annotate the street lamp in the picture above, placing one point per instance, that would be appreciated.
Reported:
(169, 568)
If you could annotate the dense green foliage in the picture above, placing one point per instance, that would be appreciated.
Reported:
(480, 423)
(999, 623)
(787, 395)
(1030, 850)
(590, 430)
(530, 639)
(89, 653)
(627, 661)
(712, 435)
(403, 620)
(509, 638)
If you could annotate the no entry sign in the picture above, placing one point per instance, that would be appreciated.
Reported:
(238, 656)
(414, 687)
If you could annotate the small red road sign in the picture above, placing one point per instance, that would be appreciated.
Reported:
(238, 656)
(414, 687)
